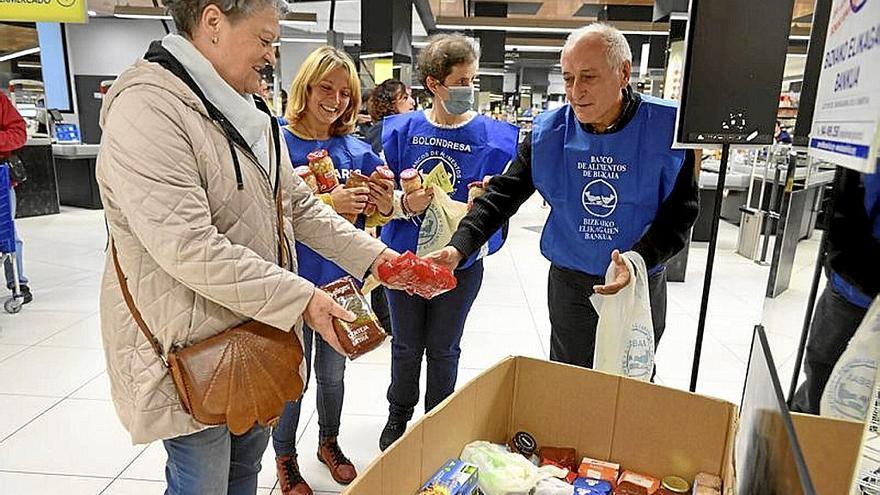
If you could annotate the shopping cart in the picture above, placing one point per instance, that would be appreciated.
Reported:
(7, 241)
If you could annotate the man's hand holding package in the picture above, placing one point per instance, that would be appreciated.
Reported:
(382, 194)
(418, 201)
(621, 277)
(448, 257)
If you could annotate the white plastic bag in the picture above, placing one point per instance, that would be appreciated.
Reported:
(553, 486)
(625, 332)
(502, 472)
(848, 393)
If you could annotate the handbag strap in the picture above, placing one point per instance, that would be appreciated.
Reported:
(283, 250)
(129, 301)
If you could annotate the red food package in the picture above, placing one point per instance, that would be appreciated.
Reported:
(558, 456)
(416, 275)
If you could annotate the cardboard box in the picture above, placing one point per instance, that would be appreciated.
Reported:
(644, 427)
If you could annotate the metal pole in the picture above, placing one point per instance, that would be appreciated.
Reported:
(710, 262)
(814, 290)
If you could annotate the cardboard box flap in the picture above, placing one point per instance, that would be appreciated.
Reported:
(831, 449)
(663, 431)
(565, 406)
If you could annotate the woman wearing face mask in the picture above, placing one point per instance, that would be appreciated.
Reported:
(468, 147)
(322, 113)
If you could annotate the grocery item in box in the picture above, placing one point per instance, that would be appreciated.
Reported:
(416, 275)
(629, 488)
(600, 470)
(324, 169)
(523, 443)
(673, 485)
(601, 487)
(649, 482)
(558, 456)
(363, 334)
(456, 477)
(708, 480)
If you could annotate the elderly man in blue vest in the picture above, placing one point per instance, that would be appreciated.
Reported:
(604, 162)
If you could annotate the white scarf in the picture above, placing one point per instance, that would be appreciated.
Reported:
(238, 108)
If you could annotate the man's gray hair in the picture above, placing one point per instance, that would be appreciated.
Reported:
(616, 46)
(186, 13)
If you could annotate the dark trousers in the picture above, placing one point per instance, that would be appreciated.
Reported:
(573, 319)
(834, 324)
(433, 328)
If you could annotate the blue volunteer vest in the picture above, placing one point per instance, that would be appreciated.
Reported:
(872, 207)
(604, 190)
(348, 154)
(468, 153)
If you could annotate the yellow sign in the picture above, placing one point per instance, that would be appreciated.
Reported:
(383, 69)
(43, 10)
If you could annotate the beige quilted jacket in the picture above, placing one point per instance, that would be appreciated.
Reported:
(199, 254)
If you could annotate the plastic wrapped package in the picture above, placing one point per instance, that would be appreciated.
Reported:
(415, 275)
(503, 472)
(553, 486)
(365, 333)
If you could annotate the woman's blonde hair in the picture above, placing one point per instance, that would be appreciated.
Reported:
(316, 66)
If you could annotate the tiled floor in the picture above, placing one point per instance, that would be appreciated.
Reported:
(59, 431)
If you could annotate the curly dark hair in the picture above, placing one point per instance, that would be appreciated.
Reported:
(382, 100)
(445, 51)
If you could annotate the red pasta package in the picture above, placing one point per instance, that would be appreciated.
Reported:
(416, 275)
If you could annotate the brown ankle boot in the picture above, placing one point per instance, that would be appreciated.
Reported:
(289, 479)
(341, 469)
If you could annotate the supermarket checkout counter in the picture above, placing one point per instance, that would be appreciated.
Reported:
(38, 195)
(75, 164)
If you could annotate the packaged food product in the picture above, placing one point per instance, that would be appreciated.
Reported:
(363, 334)
(649, 482)
(558, 456)
(357, 179)
(705, 490)
(708, 480)
(410, 180)
(475, 190)
(306, 174)
(630, 488)
(324, 169)
(416, 275)
(523, 443)
(552, 486)
(602, 487)
(675, 484)
(456, 477)
(600, 470)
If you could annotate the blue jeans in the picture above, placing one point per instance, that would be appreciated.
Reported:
(433, 328)
(7, 266)
(215, 461)
(329, 375)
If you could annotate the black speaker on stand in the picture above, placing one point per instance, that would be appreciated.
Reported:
(734, 61)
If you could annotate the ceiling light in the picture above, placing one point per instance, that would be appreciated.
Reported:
(491, 72)
(678, 16)
(800, 37)
(22, 53)
(299, 19)
(92, 13)
(29, 65)
(534, 29)
(135, 12)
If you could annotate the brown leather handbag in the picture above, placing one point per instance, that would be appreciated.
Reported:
(239, 377)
